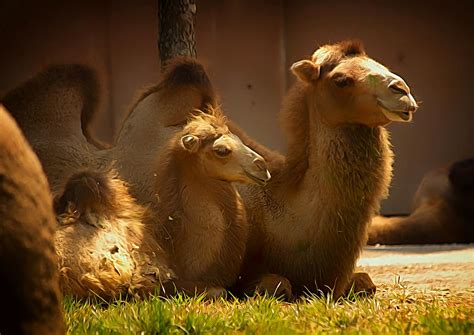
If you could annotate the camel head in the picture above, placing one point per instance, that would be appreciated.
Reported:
(346, 86)
(220, 154)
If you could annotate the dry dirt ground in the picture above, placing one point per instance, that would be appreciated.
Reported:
(441, 267)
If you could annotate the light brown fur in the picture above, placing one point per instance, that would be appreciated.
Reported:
(28, 273)
(443, 211)
(104, 248)
(201, 217)
(310, 222)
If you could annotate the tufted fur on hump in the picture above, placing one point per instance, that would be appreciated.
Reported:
(103, 246)
(181, 73)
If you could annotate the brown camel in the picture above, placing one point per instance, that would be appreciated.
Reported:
(201, 217)
(103, 245)
(54, 109)
(105, 249)
(310, 222)
(443, 211)
(28, 273)
(140, 148)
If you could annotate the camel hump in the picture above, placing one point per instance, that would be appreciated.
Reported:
(182, 71)
(88, 192)
(63, 96)
(461, 175)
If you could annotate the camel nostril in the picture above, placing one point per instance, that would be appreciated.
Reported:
(260, 163)
(412, 108)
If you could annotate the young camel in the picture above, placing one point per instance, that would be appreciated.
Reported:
(28, 273)
(311, 220)
(199, 219)
(443, 211)
(104, 247)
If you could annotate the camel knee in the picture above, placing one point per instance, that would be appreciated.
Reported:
(273, 285)
(361, 283)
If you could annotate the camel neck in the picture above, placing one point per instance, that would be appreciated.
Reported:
(340, 167)
(342, 175)
(185, 192)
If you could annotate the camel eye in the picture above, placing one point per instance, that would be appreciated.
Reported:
(222, 151)
(342, 80)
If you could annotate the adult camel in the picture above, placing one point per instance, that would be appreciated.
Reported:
(310, 222)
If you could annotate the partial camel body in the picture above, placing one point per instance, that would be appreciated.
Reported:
(443, 211)
(54, 109)
(103, 246)
(28, 272)
(310, 222)
(49, 108)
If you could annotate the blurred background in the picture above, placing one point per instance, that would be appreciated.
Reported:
(249, 46)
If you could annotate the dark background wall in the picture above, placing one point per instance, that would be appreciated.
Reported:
(249, 45)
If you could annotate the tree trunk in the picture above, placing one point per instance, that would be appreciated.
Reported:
(176, 29)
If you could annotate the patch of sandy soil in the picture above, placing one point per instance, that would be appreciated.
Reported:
(424, 266)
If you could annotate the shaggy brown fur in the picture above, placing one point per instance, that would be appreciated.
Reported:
(104, 248)
(28, 273)
(179, 73)
(309, 223)
(443, 211)
(201, 216)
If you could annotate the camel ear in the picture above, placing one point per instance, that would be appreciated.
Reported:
(190, 143)
(306, 71)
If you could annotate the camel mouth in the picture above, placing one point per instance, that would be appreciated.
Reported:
(258, 180)
(398, 116)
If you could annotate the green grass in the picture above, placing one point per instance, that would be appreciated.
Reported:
(393, 310)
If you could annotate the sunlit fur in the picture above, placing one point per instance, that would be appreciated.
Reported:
(28, 274)
(310, 222)
(443, 210)
(104, 248)
(109, 245)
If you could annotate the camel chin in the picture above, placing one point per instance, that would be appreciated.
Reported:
(398, 116)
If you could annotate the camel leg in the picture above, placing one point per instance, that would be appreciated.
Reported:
(193, 288)
(270, 284)
(361, 283)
